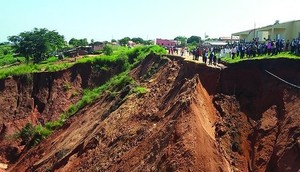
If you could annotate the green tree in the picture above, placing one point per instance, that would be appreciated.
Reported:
(78, 42)
(5, 49)
(73, 42)
(181, 39)
(107, 50)
(138, 40)
(148, 42)
(124, 41)
(194, 39)
(83, 42)
(37, 44)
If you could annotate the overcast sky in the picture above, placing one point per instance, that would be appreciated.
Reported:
(149, 19)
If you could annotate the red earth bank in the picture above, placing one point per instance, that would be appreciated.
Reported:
(192, 118)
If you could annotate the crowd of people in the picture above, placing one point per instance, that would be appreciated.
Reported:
(212, 55)
(269, 47)
(208, 54)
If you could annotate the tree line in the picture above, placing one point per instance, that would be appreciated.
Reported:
(184, 41)
(40, 43)
(37, 44)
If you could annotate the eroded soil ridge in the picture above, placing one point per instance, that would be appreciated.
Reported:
(192, 118)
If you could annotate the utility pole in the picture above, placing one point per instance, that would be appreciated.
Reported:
(254, 31)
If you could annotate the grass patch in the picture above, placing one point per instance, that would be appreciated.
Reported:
(50, 60)
(279, 55)
(139, 91)
(32, 68)
(52, 125)
(90, 95)
(137, 54)
(7, 57)
(32, 135)
(10, 59)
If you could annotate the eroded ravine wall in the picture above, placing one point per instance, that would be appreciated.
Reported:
(259, 116)
(270, 107)
(254, 115)
(41, 97)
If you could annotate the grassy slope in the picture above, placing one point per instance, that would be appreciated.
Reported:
(280, 55)
(52, 65)
(6, 56)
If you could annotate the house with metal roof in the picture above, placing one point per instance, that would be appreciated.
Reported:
(287, 30)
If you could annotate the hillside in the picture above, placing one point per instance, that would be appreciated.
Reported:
(189, 117)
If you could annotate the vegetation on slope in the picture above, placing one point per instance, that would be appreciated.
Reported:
(127, 57)
(279, 55)
(7, 57)
(123, 55)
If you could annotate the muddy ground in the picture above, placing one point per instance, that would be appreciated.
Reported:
(192, 118)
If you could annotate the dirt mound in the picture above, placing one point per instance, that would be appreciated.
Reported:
(192, 118)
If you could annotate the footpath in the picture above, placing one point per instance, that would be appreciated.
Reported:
(189, 57)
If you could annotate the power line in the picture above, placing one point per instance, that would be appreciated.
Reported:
(293, 85)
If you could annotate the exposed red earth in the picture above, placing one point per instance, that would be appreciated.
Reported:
(192, 118)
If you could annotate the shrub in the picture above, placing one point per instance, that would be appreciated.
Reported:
(119, 82)
(140, 90)
(67, 86)
(27, 133)
(139, 53)
(107, 50)
(5, 50)
(122, 60)
(74, 94)
(31, 135)
(52, 125)
(52, 59)
(40, 133)
(10, 59)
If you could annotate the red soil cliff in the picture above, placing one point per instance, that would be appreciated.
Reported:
(193, 118)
